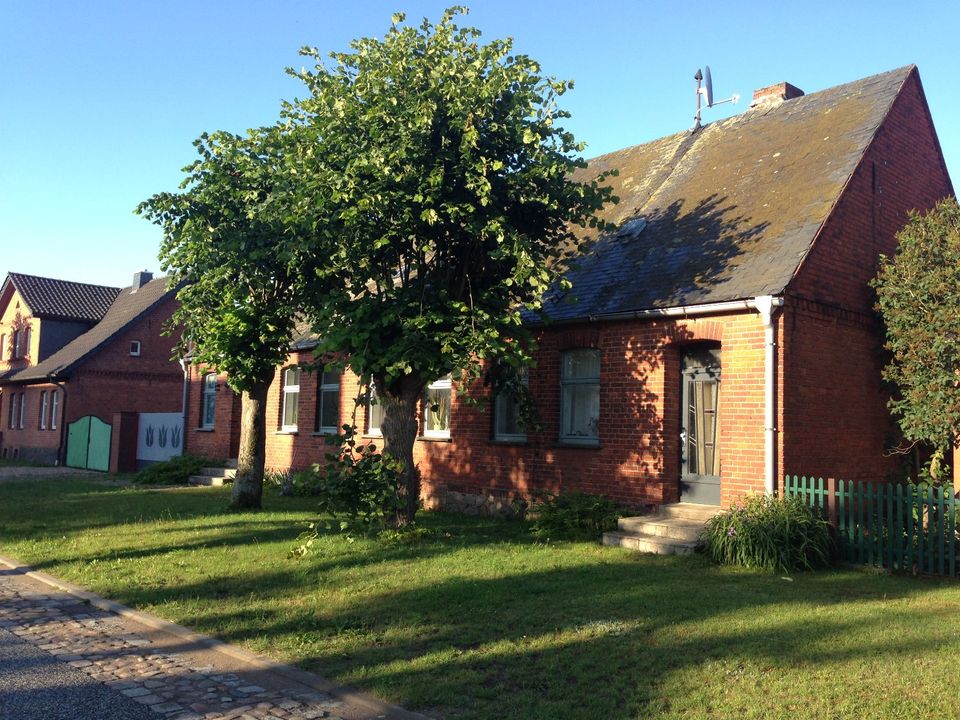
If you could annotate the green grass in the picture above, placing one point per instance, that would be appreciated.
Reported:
(487, 623)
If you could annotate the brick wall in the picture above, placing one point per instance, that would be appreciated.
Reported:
(220, 442)
(835, 420)
(637, 461)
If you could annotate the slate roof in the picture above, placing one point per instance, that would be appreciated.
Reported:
(126, 309)
(731, 210)
(62, 299)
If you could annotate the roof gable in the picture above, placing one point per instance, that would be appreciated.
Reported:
(731, 210)
(62, 299)
(129, 306)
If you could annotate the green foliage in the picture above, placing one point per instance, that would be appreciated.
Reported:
(174, 471)
(572, 516)
(772, 533)
(918, 295)
(436, 177)
(358, 486)
(241, 266)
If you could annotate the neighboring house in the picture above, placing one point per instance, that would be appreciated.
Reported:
(723, 336)
(73, 351)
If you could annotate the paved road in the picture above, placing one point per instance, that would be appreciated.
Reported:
(63, 658)
(34, 685)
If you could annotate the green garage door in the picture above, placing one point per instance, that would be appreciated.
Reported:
(88, 444)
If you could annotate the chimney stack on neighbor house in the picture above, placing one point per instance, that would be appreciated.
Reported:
(140, 279)
(775, 94)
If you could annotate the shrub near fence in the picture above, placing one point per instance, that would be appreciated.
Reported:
(894, 526)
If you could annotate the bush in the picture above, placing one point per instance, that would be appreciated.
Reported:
(773, 533)
(573, 516)
(358, 486)
(174, 471)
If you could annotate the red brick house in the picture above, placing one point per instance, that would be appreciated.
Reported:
(72, 350)
(723, 336)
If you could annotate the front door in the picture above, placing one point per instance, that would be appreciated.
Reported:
(699, 432)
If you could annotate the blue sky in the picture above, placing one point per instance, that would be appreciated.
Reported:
(100, 100)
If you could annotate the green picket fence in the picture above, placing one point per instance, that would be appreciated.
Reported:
(898, 527)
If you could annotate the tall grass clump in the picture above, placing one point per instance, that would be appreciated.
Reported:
(772, 533)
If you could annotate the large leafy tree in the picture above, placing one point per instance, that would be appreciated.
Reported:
(228, 239)
(918, 294)
(437, 180)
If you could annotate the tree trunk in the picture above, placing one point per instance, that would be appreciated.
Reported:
(399, 428)
(248, 484)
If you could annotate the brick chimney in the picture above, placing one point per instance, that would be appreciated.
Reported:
(140, 279)
(775, 94)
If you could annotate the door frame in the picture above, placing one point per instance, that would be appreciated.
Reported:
(699, 362)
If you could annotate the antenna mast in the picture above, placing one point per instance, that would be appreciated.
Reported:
(706, 92)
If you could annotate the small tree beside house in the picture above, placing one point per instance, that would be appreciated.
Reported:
(243, 273)
(918, 294)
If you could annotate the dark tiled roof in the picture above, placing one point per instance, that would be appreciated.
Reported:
(62, 299)
(731, 210)
(128, 307)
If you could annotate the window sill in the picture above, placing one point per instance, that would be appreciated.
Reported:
(203, 429)
(434, 438)
(372, 436)
(508, 442)
(579, 445)
(287, 432)
(323, 433)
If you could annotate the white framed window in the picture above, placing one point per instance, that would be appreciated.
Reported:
(436, 409)
(23, 403)
(580, 397)
(54, 409)
(289, 410)
(15, 345)
(135, 348)
(328, 402)
(3, 346)
(13, 410)
(43, 409)
(507, 421)
(208, 405)
(374, 411)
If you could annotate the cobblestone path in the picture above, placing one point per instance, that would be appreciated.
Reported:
(109, 650)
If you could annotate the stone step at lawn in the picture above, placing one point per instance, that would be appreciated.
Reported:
(209, 480)
(673, 530)
(648, 543)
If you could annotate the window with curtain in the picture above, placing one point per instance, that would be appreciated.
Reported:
(580, 397)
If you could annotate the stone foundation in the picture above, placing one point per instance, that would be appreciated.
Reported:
(474, 501)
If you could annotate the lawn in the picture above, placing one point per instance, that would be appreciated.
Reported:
(484, 622)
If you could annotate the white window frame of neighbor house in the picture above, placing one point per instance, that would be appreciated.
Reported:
(54, 408)
(328, 393)
(208, 402)
(23, 402)
(13, 411)
(507, 425)
(44, 399)
(135, 346)
(374, 412)
(443, 386)
(579, 394)
(291, 394)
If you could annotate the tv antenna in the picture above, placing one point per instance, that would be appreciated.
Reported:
(705, 93)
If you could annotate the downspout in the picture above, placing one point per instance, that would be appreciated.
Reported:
(61, 446)
(185, 366)
(765, 305)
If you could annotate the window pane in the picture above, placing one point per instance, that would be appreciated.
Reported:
(54, 409)
(581, 405)
(290, 402)
(374, 412)
(581, 364)
(209, 409)
(330, 409)
(291, 376)
(508, 415)
(437, 410)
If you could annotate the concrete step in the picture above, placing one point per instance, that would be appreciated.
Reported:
(219, 472)
(689, 511)
(648, 543)
(658, 526)
(208, 480)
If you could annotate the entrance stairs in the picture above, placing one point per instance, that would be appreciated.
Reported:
(215, 476)
(672, 530)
